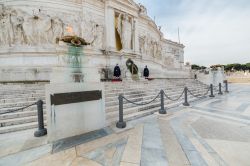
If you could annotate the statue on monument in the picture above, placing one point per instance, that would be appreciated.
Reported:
(125, 30)
(98, 36)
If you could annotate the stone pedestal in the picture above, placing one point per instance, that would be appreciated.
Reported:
(66, 75)
(74, 109)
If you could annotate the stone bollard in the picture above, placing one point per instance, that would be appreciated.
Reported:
(120, 124)
(162, 110)
(186, 97)
(41, 130)
(220, 92)
(226, 86)
(211, 90)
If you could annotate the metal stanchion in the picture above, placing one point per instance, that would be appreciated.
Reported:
(41, 130)
(211, 90)
(226, 86)
(220, 92)
(186, 97)
(120, 124)
(162, 110)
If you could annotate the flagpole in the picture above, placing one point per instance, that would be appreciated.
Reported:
(179, 35)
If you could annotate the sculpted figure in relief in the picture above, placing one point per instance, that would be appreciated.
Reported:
(125, 30)
(98, 36)
(38, 29)
(93, 31)
(143, 9)
(19, 27)
(142, 43)
(155, 46)
(159, 51)
(6, 33)
(57, 29)
(169, 61)
(19, 36)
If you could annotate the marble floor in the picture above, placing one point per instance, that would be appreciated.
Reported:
(213, 131)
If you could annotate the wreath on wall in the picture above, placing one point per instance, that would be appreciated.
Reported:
(73, 40)
(132, 67)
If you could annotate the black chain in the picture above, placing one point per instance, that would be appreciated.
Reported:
(141, 104)
(174, 99)
(16, 110)
(199, 95)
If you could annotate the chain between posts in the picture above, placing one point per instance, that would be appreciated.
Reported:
(16, 110)
(122, 124)
(41, 130)
(141, 104)
(199, 95)
(174, 99)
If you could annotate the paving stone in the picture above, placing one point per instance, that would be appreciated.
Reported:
(235, 153)
(152, 148)
(132, 152)
(214, 129)
(191, 152)
(174, 152)
(101, 154)
(26, 156)
(80, 161)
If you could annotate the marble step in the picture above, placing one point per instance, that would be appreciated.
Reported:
(115, 89)
(22, 95)
(31, 108)
(114, 114)
(131, 88)
(4, 88)
(21, 99)
(17, 104)
(11, 92)
(138, 99)
(17, 121)
(26, 126)
(145, 112)
(129, 105)
(134, 91)
(155, 105)
(19, 114)
(151, 105)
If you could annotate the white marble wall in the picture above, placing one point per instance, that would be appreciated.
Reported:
(32, 43)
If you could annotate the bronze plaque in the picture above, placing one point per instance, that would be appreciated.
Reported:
(75, 97)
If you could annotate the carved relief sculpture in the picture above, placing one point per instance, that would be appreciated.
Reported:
(6, 35)
(18, 27)
(125, 31)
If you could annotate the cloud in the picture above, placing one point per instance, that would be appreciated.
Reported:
(213, 31)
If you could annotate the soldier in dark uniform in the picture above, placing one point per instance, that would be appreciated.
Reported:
(146, 72)
(195, 76)
(117, 71)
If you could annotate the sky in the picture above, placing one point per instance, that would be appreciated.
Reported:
(213, 31)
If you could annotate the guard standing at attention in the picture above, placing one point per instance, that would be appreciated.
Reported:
(146, 72)
(117, 71)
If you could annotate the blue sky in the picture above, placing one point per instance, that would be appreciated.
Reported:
(213, 31)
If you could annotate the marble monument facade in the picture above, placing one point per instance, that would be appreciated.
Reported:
(116, 29)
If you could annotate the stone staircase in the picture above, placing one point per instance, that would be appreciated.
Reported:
(17, 95)
(145, 91)
(14, 96)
